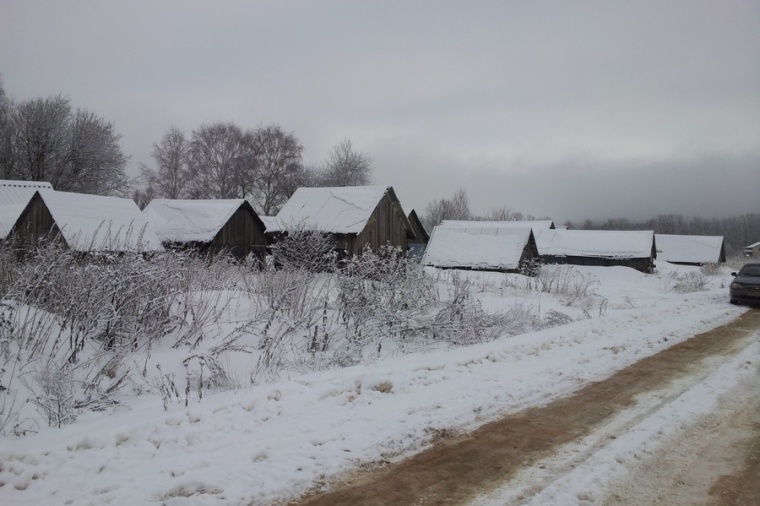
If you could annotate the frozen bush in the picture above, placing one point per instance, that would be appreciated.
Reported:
(688, 282)
(710, 269)
(308, 250)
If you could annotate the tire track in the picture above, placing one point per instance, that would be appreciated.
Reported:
(459, 468)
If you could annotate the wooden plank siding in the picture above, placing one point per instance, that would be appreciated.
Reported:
(243, 234)
(386, 226)
(645, 265)
(35, 223)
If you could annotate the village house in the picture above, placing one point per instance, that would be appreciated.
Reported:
(14, 196)
(752, 251)
(208, 226)
(85, 223)
(635, 249)
(690, 249)
(356, 217)
(418, 243)
(480, 245)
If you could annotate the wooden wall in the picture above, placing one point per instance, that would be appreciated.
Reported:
(243, 233)
(386, 225)
(645, 265)
(35, 223)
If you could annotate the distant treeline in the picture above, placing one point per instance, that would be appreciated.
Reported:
(737, 231)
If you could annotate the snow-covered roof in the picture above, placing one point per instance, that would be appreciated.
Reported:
(754, 245)
(595, 243)
(93, 222)
(341, 210)
(190, 220)
(689, 249)
(272, 224)
(14, 196)
(490, 248)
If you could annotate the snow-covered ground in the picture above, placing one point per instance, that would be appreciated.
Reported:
(265, 443)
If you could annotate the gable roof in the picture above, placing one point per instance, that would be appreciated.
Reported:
(595, 243)
(337, 210)
(753, 245)
(96, 223)
(14, 196)
(272, 224)
(488, 248)
(470, 224)
(183, 221)
(690, 249)
(420, 234)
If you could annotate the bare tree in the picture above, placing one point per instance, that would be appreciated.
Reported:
(219, 160)
(42, 139)
(7, 160)
(346, 167)
(171, 178)
(455, 208)
(40, 136)
(94, 161)
(278, 167)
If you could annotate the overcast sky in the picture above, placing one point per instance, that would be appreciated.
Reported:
(600, 109)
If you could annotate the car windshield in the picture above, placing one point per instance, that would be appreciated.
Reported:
(750, 270)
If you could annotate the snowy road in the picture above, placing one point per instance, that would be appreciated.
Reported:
(683, 421)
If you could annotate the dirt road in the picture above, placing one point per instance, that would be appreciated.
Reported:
(460, 469)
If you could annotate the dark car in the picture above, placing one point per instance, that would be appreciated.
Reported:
(745, 288)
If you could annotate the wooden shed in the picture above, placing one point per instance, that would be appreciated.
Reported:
(690, 249)
(208, 226)
(355, 216)
(635, 249)
(752, 251)
(480, 245)
(86, 223)
(419, 241)
(14, 196)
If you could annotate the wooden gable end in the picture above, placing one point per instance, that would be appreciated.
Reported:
(243, 228)
(35, 223)
(386, 226)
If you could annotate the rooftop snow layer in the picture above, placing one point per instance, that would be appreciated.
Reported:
(465, 225)
(476, 248)
(342, 210)
(93, 222)
(272, 224)
(693, 249)
(190, 220)
(14, 196)
(595, 243)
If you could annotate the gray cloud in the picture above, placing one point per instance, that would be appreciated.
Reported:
(549, 107)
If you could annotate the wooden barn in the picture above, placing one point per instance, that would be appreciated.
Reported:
(480, 245)
(84, 222)
(752, 251)
(418, 243)
(635, 249)
(355, 216)
(690, 249)
(14, 196)
(208, 226)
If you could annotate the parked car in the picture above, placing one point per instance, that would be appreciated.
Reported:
(745, 288)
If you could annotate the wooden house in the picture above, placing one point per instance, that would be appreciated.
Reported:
(208, 226)
(356, 217)
(752, 251)
(635, 249)
(690, 249)
(418, 243)
(85, 223)
(480, 245)
(14, 196)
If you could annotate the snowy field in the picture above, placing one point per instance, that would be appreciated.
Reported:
(263, 442)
